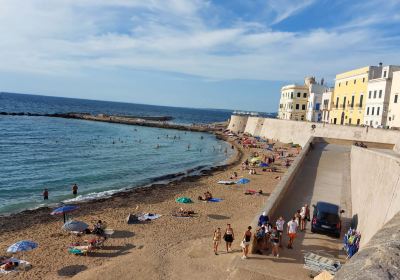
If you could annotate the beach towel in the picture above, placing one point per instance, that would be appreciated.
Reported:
(148, 217)
(132, 219)
(226, 182)
(215, 199)
(183, 200)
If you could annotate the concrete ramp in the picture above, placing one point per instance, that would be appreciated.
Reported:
(323, 176)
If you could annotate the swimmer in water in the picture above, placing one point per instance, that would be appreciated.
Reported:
(188, 147)
(158, 146)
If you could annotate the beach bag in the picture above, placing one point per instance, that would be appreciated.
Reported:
(242, 244)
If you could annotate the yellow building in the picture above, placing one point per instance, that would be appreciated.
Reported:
(348, 99)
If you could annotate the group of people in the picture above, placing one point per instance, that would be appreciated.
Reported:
(46, 192)
(266, 234)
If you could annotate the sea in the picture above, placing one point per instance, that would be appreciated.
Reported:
(101, 158)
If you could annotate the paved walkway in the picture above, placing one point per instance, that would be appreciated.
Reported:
(325, 176)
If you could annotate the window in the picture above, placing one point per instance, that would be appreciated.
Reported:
(373, 110)
(380, 94)
(363, 82)
(344, 102)
(395, 98)
(367, 111)
(337, 102)
(334, 120)
(298, 94)
(369, 94)
(305, 94)
(297, 106)
(358, 120)
(339, 84)
(355, 81)
(377, 111)
(349, 121)
(384, 74)
(302, 118)
(317, 106)
(303, 107)
(374, 93)
(347, 83)
(352, 102)
(361, 100)
(291, 95)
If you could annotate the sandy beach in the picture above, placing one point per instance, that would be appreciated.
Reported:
(166, 248)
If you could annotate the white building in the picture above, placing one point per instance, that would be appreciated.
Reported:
(378, 96)
(326, 103)
(393, 119)
(293, 102)
(314, 102)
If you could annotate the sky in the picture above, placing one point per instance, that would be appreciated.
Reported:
(227, 54)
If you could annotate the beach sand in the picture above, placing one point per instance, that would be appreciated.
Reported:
(167, 248)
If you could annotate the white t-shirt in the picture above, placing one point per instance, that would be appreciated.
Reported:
(292, 225)
(279, 224)
(303, 212)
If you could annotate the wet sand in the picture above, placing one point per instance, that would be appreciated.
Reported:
(167, 248)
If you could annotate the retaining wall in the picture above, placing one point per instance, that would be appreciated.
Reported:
(237, 123)
(299, 132)
(375, 189)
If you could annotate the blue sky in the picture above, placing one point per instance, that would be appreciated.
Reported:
(216, 54)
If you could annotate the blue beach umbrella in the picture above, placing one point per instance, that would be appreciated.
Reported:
(75, 226)
(22, 246)
(243, 181)
(64, 209)
(263, 164)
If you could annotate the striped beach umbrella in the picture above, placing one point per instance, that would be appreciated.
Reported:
(63, 210)
(22, 246)
(75, 226)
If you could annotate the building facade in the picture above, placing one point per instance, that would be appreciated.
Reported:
(293, 102)
(377, 101)
(326, 103)
(393, 118)
(314, 102)
(348, 100)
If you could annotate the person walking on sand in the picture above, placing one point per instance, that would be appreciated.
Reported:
(229, 236)
(75, 189)
(275, 238)
(216, 240)
(246, 242)
(291, 231)
(45, 194)
(279, 226)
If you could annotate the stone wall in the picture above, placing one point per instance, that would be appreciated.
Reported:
(299, 132)
(375, 189)
(237, 123)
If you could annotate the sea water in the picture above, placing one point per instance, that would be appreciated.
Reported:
(102, 158)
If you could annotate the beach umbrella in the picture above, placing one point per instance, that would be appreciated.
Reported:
(263, 164)
(22, 246)
(63, 210)
(184, 200)
(243, 181)
(75, 226)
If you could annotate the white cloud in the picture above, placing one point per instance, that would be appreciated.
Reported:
(66, 37)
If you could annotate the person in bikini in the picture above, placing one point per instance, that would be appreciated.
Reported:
(216, 240)
(246, 242)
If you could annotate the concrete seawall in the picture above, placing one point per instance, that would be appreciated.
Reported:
(299, 132)
(375, 189)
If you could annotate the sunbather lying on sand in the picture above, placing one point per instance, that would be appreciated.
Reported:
(9, 266)
(181, 212)
(207, 196)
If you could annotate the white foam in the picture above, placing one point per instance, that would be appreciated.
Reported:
(93, 196)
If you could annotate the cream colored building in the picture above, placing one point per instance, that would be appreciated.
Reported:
(393, 118)
(377, 101)
(293, 101)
